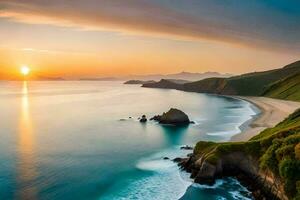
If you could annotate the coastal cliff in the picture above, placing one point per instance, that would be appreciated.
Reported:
(269, 163)
(166, 84)
(138, 82)
(251, 84)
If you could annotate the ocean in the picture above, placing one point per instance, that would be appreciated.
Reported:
(82, 140)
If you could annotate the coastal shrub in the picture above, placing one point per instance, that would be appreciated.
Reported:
(266, 143)
(229, 147)
(297, 151)
(298, 190)
(213, 158)
(293, 139)
(269, 160)
(202, 146)
(285, 152)
(253, 148)
(290, 188)
(295, 115)
(290, 169)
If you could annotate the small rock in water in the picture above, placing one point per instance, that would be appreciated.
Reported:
(177, 160)
(166, 158)
(180, 161)
(186, 147)
(143, 119)
(156, 118)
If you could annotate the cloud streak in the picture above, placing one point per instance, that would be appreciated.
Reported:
(255, 24)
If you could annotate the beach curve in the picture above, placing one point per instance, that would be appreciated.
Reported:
(272, 111)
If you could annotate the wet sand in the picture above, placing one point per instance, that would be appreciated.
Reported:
(273, 111)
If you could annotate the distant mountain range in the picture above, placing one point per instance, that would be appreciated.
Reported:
(184, 76)
(279, 83)
(156, 77)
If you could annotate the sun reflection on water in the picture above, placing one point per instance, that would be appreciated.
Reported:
(26, 159)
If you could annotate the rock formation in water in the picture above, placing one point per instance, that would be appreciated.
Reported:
(186, 147)
(173, 116)
(143, 119)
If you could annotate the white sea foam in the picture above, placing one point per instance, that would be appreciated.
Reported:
(248, 110)
(237, 195)
(153, 187)
(155, 165)
(218, 183)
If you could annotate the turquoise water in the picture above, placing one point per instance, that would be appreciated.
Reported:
(75, 140)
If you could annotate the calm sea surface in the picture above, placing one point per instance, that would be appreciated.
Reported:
(75, 140)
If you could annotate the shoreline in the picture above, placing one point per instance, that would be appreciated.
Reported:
(268, 113)
(272, 111)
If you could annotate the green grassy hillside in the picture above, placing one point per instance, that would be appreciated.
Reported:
(288, 88)
(277, 150)
(252, 84)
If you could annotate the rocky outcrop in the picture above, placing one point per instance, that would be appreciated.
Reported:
(186, 147)
(164, 83)
(173, 116)
(138, 82)
(204, 170)
(143, 119)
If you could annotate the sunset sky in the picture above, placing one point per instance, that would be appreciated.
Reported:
(97, 38)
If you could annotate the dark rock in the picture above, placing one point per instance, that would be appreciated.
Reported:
(173, 116)
(234, 164)
(143, 119)
(207, 174)
(156, 118)
(180, 161)
(190, 155)
(166, 158)
(186, 147)
(139, 82)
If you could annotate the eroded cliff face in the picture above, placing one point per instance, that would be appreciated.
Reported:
(263, 184)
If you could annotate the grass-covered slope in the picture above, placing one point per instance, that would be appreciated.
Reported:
(288, 88)
(251, 84)
(277, 150)
(280, 83)
(166, 83)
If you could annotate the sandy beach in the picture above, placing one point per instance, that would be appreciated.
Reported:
(273, 111)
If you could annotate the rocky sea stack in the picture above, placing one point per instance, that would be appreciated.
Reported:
(173, 116)
(143, 119)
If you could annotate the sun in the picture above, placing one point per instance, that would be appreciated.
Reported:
(25, 70)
